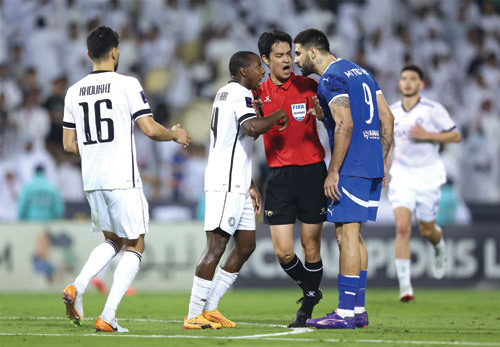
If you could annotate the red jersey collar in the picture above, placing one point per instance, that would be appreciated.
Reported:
(284, 86)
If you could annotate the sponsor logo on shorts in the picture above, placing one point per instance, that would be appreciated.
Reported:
(231, 221)
(371, 134)
(268, 213)
(323, 211)
(267, 99)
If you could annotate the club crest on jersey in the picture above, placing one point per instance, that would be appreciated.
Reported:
(299, 111)
(143, 96)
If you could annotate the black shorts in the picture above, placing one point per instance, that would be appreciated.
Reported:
(296, 192)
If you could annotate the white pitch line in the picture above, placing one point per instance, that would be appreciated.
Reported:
(270, 337)
(267, 338)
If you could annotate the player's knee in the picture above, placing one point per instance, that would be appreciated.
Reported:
(247, 250)
(426, 230)
(217, 249)
(285, 255)
(311, 251)
(403, 230)
(285, 258)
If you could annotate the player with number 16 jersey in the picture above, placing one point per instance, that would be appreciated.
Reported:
(106, 143)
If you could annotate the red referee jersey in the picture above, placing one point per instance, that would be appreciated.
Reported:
(299, 143)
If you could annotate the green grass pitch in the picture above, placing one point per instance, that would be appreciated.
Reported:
(438, 317)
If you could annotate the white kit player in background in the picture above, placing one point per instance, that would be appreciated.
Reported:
(100, 111)
(231, 198)
(417, 173)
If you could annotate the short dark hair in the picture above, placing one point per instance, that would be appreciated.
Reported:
(416, 68)
(238, 60)
(269, 38)
(313, 38)
(101, 40)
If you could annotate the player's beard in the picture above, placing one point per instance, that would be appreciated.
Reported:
(307, 67)
(410, 94)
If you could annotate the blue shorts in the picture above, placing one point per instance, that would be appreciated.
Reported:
(359, 201)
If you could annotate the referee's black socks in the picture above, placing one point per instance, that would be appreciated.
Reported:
(313, 272)
(295, 269)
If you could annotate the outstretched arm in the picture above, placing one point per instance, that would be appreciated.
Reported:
(259, 125)
(158, 132)
(419, 133)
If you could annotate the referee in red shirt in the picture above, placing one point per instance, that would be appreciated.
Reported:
(294, 187)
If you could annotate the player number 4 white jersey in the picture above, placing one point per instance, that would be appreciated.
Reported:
(102, 108)
(431, 116)
(229, 165)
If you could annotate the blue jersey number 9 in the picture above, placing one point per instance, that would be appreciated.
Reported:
(369, 101)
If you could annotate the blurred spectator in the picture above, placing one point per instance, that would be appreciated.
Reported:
(69, 179)
(39, 199)
(31, 120)
(9, 89)
(31, 156)
(42, 48)
(10, 187)
(55, 107)
(76, 62)
(180, 49)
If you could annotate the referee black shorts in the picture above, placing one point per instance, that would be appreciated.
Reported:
(296, 192)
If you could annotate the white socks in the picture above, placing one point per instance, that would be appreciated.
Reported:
(199, 295)
(98, 259)
(403, 272)
(124, 275)
(205, 295)
(440, 245)
(222, 282)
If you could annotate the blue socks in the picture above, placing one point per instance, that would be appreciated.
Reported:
(348, 287)
(359, 304)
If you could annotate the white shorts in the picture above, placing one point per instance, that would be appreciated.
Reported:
(417, 189)
(124, 212)
(228, 211)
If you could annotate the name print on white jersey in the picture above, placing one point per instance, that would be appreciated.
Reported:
(102, 108)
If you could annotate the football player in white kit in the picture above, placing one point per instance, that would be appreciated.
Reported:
(232, 200)
(99, 115)
(417, 173)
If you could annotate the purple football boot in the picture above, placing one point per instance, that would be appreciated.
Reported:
(332, 321)
(361, 320)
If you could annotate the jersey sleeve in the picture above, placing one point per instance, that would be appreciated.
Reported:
(68, 117)
(333, 87)
(377, 87)
(243, 108)
(137, 102)
(442, 119)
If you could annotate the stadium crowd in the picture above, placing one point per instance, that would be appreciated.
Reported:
(179, 50)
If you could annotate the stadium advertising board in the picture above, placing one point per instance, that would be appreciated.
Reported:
(45, 257)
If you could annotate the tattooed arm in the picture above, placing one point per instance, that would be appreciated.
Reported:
(386, 130)
(340, 108)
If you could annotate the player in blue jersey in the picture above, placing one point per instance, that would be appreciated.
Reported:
(360, 126)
